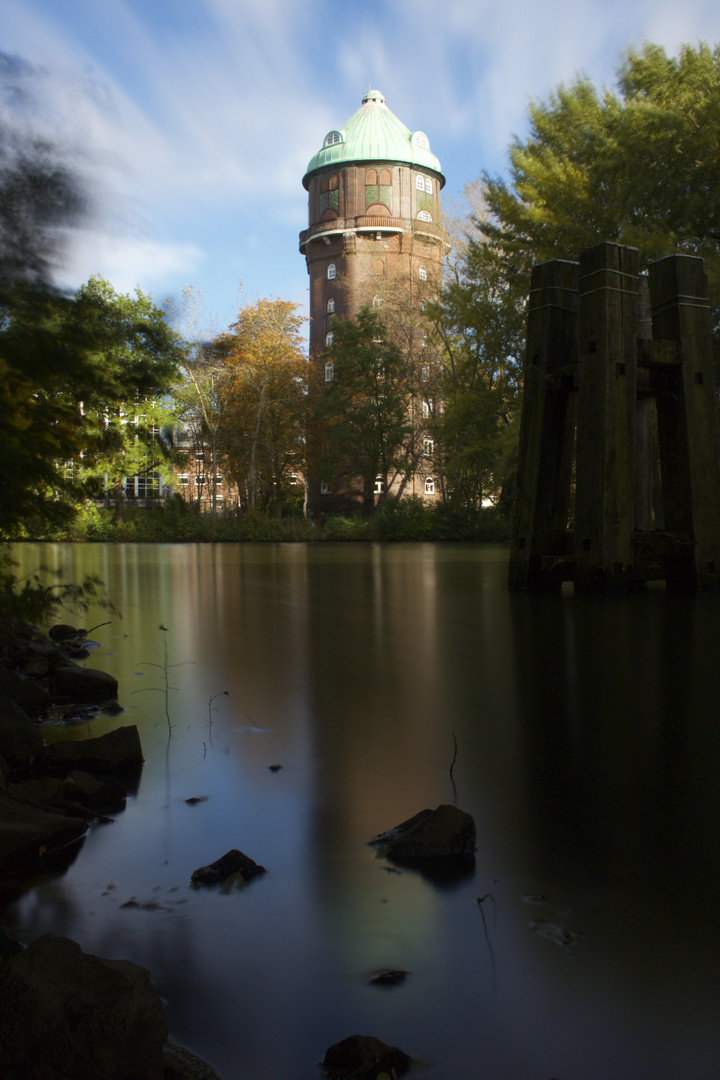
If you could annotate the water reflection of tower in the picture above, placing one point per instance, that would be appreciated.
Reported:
(373, 225)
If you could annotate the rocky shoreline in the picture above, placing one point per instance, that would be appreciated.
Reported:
(64, 1012)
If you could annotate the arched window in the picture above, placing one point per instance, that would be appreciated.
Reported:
(428, 447)
(422, 273)
(428, 185)
(329, 199)
(378, 188)
(331, 271)
(377, 301)
(429, 485)
(379, 485)
(424, 216)
(330, 305)
(420, 183)
(380, 267)
(329, 371)
(333, 137)
(329, 338)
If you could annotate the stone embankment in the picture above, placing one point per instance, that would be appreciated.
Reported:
(64, 1012)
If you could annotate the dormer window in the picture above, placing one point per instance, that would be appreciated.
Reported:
(332, 138)
(421, 139)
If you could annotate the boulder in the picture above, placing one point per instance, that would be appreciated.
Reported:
(20, 739)
(27, 833)
(103, 795)
(443, 833)
(65, 632)
(233, 862)
(41, 789)
(363, 1056)
(17, 693)
(66, 1013)
(83, 684)
(115, 752)
(180, 1064)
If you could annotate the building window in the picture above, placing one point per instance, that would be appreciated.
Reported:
(329, 338)
(329, 195)
(427, 411)
(378, 188)
(200, 480)
(425, 372)
(332, 138)
(421, 139)
(330, 306)
(324, 488)
(183, 479)
(428, 447)
(429, 485)
(420, 183)
(424, 216)
(428, 185)
(329, 371)
(422, 273)
(379, 485)
(377, 301)
(331, 271)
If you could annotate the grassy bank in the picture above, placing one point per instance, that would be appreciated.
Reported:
(407, 520)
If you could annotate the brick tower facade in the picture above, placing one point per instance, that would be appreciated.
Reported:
(373, 222)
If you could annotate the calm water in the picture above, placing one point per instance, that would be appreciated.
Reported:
(588, 753)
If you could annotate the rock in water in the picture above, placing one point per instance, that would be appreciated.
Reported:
(115, 752)
(64, 1012)
(233, 862)
(362, 1057)
(443, 833)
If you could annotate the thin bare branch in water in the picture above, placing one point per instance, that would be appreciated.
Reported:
(480, 901)
(452, 766)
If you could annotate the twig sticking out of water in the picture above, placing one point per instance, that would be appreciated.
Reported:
(166, 669)
(214, 708)
(452, 766)
(480, 901)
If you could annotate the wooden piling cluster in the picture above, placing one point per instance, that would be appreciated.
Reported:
(618, 381)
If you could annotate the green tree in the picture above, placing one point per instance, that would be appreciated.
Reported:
(364, 409)
(136, 353)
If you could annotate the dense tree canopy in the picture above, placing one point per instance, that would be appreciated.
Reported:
(363, 412)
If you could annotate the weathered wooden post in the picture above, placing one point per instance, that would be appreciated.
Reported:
(686, 419)
(547, 425)
(604, 500)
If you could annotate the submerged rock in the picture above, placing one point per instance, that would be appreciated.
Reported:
(443, 833)
(233, 862)
(387, 977)
(363, 1057)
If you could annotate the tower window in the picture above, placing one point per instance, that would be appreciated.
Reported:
(421, 139)
(329, 338)
(329, 194)
(424, 216)
(329, 371)
(420, 183)
(330, 306)
(429, 485)
(331, 272)
(428, 447)
(379, 485)
(427, 411)
(378, 188)
(377, 301)
(425, 372)
(422, 273)
(333, 137)
(428, 185)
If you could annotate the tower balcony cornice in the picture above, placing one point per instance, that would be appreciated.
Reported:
(324, 230)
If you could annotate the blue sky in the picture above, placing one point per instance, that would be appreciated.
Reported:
(195, 119)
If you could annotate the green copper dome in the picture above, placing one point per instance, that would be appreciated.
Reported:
(373, 133)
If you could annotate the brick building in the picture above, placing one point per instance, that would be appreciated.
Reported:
(374, 225)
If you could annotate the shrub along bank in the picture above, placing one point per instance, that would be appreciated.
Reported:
(408, 520)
